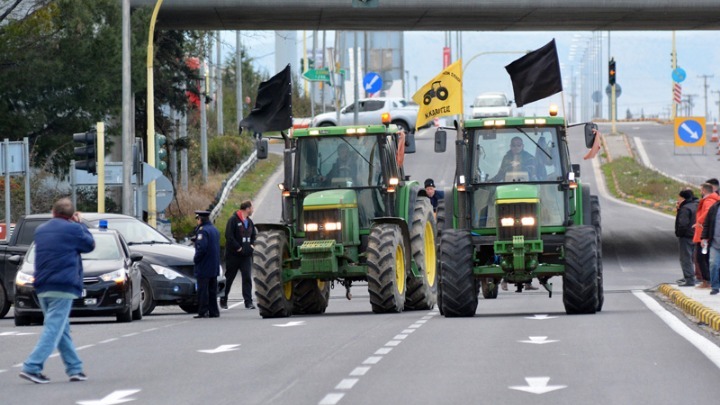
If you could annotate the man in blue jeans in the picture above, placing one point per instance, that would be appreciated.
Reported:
(58, 280)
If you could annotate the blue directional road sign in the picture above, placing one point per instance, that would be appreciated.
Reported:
(372, 82)
(690, 131)
(678, 74)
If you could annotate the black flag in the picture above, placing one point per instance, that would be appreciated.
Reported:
(536, 75)
(273, 108)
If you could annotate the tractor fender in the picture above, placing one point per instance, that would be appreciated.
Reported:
(279, 227)
(400, 222)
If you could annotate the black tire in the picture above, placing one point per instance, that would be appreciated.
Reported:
(274, 298)
(580, 292)
(4, 302)
(190, 307)
(387, 270)
(137, 313)
(402, 125)
(487, 292)
(311, 296)
(442, 93)
(422, 291)
(597, 223)
(459, 286)
(326, 124)
(440, 218)
(146, 297)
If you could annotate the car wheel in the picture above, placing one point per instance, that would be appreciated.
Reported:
(21, 320)
(125, 315)
(190, 308)
(4, 302)
(146, 297)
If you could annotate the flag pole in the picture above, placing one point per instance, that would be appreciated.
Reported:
(565, 117)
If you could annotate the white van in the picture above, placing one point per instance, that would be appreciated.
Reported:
(491, 105)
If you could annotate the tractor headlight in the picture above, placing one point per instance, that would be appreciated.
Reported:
(527, 221)
(311, 227)
(332, 226)
(507, 221)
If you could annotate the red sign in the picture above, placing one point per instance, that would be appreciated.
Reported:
(446, 57)
(677, 93)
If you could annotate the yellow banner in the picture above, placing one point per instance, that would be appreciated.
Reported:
(441, 96)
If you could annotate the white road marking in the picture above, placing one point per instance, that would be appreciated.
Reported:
(393, 343)
(115, 397)
(540, 317)
(383, 350)
(360, 371)
(537, 385)
(288, 324)
(220, 349)
(109, 340)
(408, 331)
(372, 360)
(538, 340)
(400, 337)
(131, 334)
(331, 399)
(346, 384)
(704, 345)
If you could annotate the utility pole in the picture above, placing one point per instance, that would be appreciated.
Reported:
(673, 63)
(717, 102)
(706, 86)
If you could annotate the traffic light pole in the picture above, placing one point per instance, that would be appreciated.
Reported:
(151, 197)
(100, 153)
(614, 109)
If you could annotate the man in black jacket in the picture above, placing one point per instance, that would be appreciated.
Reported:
(687, 206)
(710, 240)
(240, 237)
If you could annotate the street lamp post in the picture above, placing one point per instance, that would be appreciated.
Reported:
(151, 197)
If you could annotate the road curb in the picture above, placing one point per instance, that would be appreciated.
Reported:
(692, 307)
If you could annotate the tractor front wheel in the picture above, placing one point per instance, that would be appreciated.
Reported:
(580, 287)
(421, 291)
(459, 289)
(386, 268)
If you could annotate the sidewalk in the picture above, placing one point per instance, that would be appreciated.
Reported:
(693, 301)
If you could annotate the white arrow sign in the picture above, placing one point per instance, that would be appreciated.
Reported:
(293, 323)
(538, 340)
(117, 397)
(372, 81)
(540, 317)
(220, 349)
(693, 134)
(537, 385)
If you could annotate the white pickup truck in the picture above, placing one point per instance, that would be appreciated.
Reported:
(402, 113)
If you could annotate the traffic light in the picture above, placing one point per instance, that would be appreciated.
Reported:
(86, 155)
(160, 152)
(612, 72)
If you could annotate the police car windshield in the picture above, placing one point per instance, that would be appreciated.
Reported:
(106, 248)
(135, 232)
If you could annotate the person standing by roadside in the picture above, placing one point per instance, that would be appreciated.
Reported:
(710, 241)
(58, 280)
(709, 197)
(684, 221)
(240, 234)
(434, 195)
(207, 265)
(715, 183)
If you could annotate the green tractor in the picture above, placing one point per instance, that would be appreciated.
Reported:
(517, 212)
(349, 215)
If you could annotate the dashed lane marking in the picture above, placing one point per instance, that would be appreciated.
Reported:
(346, 384)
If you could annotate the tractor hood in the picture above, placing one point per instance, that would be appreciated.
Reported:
(517, 191)
(330, 199)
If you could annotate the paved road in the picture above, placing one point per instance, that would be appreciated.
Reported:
(519, 348)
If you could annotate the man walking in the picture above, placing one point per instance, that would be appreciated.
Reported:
(58, 280)
(709, 197)
(240, 237)
(684, 221)
(207, 265)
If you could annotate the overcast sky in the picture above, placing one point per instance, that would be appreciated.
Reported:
(643, 63)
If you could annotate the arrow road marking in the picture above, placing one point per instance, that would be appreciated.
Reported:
(537, 385)
(371, 82)
(117, 397)
(693, 134)
(220, 349)
(540, 317)
(293, 323)
(538, 340)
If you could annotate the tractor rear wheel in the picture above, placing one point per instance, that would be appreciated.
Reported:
(580, 288)
(274, 298)
(387, 271)
(421, 291)
(311, 296)
(596, 222)
(459, 289)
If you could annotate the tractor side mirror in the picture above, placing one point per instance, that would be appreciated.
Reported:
(589, 134)
(440, 141)
(410, 143)
(576, 169)
(262, 149)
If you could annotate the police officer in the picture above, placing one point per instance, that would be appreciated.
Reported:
(240, 237)
(207, 265)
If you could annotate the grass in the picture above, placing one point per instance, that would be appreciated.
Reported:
(630, 181)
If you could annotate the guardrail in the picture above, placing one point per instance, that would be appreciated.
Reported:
(230, 183)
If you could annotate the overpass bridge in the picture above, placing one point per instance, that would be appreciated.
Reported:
(434, 15)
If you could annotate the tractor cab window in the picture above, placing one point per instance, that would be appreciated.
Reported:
(338, 162)
(509, 155)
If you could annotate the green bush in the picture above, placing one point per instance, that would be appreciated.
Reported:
(225, 152)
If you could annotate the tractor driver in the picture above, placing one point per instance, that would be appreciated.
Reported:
(344, 166)
(517, 160)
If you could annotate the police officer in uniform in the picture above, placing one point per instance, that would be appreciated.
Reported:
(240, 234)
(207, 265)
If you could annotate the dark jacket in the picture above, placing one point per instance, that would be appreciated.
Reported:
(709, 225)
(439, 195)
(238, 238)
(58, 265)
(685, 218)
(207, 250)
(526, 163)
